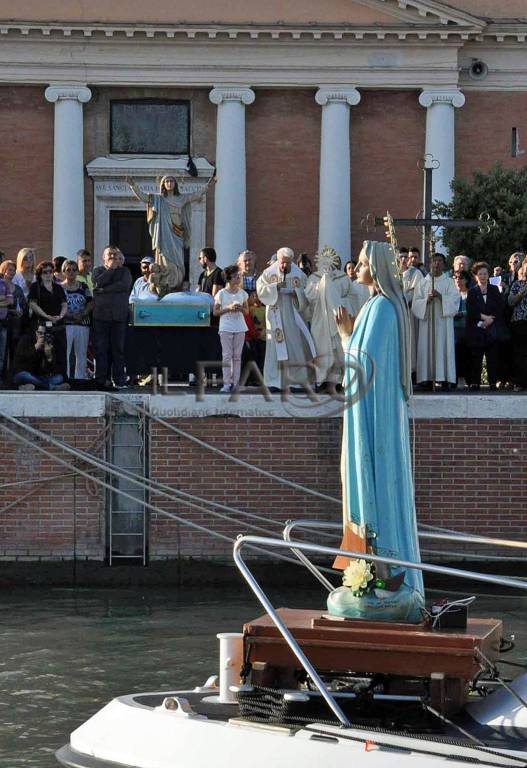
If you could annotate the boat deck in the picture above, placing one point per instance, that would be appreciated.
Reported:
(436, 731)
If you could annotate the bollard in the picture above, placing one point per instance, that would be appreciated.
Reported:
(231, 660)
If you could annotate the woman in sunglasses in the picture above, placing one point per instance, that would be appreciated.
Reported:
(47, 302)
(79, 299)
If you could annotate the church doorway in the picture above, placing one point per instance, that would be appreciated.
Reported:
(129, 232)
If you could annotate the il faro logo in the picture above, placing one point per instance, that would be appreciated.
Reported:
(298, 397)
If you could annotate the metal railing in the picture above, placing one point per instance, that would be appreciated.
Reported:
(298, 548)
(465, 538)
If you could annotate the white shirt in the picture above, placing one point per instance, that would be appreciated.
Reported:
(141, 291)
(19, 280)
(232, 322)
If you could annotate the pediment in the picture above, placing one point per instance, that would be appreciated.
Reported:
(353, 13)
(416, 13)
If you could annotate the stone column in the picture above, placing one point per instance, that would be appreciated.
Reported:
(68, 168)
(230, 235)
(440, 137)
(334, 220)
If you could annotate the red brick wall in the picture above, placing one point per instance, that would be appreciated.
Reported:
(468, 476)
(466, 479)
(283, 156)
(387, 142)
(42, 519)
(283, 162)
(26, 163)
(465, 474)
(483, 131)
(305, 451)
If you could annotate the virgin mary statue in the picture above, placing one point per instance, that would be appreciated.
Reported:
(378, 496)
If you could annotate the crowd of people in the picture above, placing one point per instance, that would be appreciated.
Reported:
(63, 323)
(465, 315)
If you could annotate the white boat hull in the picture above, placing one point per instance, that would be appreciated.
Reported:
(127, 733)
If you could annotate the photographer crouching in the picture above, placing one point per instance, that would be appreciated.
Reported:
(35, 365)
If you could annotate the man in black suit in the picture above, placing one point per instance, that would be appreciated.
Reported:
(111, 289)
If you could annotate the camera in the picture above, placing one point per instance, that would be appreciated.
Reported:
(48, 333)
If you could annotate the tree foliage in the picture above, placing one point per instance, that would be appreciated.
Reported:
(502, 193)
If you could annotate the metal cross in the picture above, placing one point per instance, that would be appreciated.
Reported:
(484, 223)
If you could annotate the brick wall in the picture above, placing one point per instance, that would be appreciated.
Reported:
(305, 451)
(26, 163)
(283, 157)
(484, 128)
(283, 142)
(466, 478)
(57, 514)
(387, 143)
(468, 475)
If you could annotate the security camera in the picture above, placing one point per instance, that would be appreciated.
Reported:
(478, 70)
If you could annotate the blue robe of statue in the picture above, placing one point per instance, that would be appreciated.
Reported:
(376, 465)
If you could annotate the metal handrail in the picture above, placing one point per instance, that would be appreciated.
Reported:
(286, 533)
(321, 524)
(472, 538)
(301, 547)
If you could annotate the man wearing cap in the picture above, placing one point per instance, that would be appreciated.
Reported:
(142, 288)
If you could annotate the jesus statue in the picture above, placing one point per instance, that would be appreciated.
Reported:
(169, 221)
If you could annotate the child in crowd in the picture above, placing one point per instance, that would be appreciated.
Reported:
(230, 304)
(257, 335)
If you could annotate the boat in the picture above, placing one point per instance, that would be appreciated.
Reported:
(305, 688)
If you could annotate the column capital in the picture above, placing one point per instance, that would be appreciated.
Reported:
(58, 91)
(331, 93)
(449, 96)
(222, 93)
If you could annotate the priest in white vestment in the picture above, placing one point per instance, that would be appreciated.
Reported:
(328, 289)
(290, 349)
(440, 303)
(412, 276)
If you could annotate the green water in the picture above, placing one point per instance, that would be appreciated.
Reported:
(64, 654)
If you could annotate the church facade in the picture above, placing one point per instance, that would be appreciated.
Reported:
(313, 114)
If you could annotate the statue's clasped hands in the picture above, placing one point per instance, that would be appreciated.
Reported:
(344, 322)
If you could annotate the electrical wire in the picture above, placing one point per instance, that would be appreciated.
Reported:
(305, 489)
(160, 488)
(194, 501)
(434, 616)
(99, 481)
(224, 454)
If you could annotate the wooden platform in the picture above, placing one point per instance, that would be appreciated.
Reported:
(368, 647)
